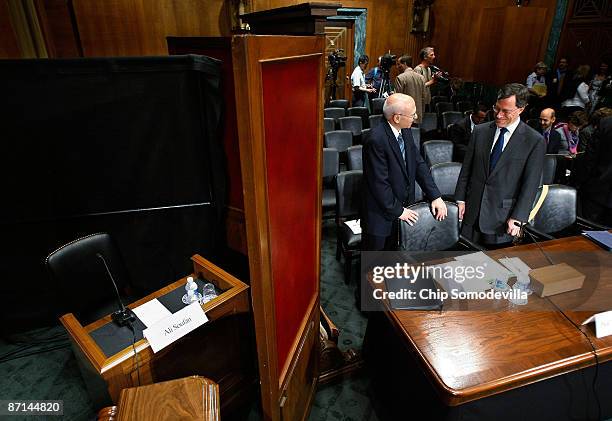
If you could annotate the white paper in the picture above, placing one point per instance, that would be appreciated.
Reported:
(468, 284)
(491, 268)
(516, 265)
(174, 327)
(354, 225)
(151, 312)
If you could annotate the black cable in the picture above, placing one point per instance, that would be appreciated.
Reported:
(136, 356)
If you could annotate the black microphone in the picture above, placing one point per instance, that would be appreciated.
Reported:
(124, 316)
(523, 230)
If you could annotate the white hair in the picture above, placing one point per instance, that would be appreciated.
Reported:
(394, 104)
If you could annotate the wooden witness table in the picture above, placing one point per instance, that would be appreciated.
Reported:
(123, 369)
(467, 355)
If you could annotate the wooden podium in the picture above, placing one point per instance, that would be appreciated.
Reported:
(218, 349)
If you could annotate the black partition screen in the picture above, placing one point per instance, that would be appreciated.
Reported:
(123, 145)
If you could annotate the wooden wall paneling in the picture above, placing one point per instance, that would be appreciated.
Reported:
(281, 167)
(59, 28)
(140, 27)
(8, 40)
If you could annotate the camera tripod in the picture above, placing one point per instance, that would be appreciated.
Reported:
(385, 85)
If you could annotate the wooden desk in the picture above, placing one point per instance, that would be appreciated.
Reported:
(468, 355)
(217, 350)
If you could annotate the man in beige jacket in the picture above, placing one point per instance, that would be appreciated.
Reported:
(411, 83)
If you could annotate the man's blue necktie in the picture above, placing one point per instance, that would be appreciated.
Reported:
(497, 149)
(400, 141)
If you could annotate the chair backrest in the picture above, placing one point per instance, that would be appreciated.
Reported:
(377, 105)
(450, 117)
(331, 165)
(329, 125)
(550, 169)
(339, 140)
(457, 98)
(429, 122)
(339, 103)
(82, 277)
(442, 107)
(463, 106)
(375, 119)
(355, 157)
(428, 234)
(558, 210)
(445, 175)
(418, 192)
(353, 124)
(334, 113)
(361, 112)
(348, 193)
(438, 98)
(416, 135)
(438, 151)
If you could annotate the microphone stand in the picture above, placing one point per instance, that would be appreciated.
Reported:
(124, 316)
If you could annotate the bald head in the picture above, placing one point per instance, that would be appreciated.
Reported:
(547, 118)
(399, 110)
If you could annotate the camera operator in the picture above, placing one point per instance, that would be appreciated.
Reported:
(374, 76)
(360, 89)
(427, 57)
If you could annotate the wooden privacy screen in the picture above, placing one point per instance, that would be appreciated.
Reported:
(291, 109)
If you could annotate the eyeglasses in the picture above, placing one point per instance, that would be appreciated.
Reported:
(412, 116)
(504, 112)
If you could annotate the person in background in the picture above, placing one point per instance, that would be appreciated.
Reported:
(461, 132)
(374, 76)
(360, 89)
(579, 91)
(412, 84)
(596, 84)
(501, 172)
(557, 87)
(391, 166)
(570, 131)
(536, 83)
(552, 138)
(427, 57)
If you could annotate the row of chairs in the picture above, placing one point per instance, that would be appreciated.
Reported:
(376, 104)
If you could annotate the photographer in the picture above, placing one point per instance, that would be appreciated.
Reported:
(427, 57)
(360, 89)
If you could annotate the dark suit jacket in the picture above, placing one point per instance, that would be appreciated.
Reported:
(388, 182)
(460, 134)
(554, 141)
(509, 191)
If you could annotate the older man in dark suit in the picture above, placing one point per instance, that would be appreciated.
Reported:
(391, 164)
(552, 137)
(501, 172)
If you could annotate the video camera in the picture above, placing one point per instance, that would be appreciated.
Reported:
(443, 76)
(387, 61)
(337, 59)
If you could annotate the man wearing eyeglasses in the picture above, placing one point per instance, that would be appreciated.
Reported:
(501, 172)
(391, 164)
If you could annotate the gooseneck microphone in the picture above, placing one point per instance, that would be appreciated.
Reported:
(124, 316)
(522, 227)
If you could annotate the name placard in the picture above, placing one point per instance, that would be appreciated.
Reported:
(603, 323)
(175, 326)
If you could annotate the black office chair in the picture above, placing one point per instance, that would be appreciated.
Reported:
(418, 192)
(334, 113)
(550, 169)
(329, 125)
(355, 157)
(348, 201)
(428, 234)
(457, 98)
(331, 167)
(339, 103)
(377, 105)
(557, 216)
(428, 125)
(375, 119)
(85, 285)
(339, 140)
(442, 107)
(416, 135)
(438, 98)
(361, 112)
(463, 106)
(445, 175)
(451, 117)
(354, 125)
(438, 151)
